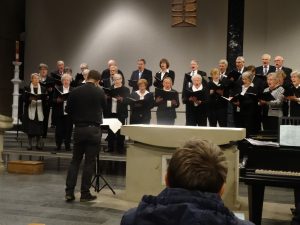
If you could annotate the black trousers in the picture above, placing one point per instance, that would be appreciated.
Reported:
(270, 123)
(116, 140)
(63, 130)
(165, 121)
(196, 117)
(217, 116)
(46, 121)
(86, 142)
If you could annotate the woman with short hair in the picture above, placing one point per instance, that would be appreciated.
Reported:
(272, 105)
(35, 100)
(294, 95)
(141, 102)
(195, 99)
(163, 73)
(247, 101)
(63, 122)
(166, 100)
(117, 108)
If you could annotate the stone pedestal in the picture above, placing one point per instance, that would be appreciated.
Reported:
(147, 158)
(5, 123)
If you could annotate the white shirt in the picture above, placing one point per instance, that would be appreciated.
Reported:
(197, 89)
(65, 90)
(244, 89)
(162, 74)
(142, 95)
(194, 72)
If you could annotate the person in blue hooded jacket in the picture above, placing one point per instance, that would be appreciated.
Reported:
(195, 182)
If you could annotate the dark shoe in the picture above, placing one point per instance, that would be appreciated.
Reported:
(87, 198)
(69, 197)
(58, 148)
(29, 148)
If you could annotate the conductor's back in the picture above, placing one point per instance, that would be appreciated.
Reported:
(85, 105)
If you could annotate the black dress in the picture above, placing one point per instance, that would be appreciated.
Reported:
(167, 115)
(140, 112)
(33, 127)
(116, 140)
(295, 106)
(217, 106)
(196, 115)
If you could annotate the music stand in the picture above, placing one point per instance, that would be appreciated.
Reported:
(98, 175)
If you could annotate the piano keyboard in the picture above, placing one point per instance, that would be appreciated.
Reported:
(277, 172)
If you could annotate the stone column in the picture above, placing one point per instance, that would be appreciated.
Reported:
(5, 123)
(16, 81)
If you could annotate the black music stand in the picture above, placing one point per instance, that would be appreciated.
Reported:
(99, 176)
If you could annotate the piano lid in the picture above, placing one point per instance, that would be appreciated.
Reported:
(175, 136)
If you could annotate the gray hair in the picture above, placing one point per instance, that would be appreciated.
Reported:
(223, 61)
(266, 55)
(274, 76)
(240, 58)
(296, 73)
(194, 61)
(59, 62)
(196, 76)
(66, 76)
(117, 76)
(248, 75)
(84, 65)
(34, 74)
(43, 65)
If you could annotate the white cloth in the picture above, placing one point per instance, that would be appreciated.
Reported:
(162, 74)
(197, 89)
(113, 123)
(114, 104)
(65, 90)
(35, 106)
(142, 95)
(244, 89)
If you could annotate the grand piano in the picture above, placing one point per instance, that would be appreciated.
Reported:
(267, 166)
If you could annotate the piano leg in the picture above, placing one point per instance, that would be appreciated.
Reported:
(255, 201)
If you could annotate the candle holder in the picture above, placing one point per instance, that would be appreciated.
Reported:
(16, 81)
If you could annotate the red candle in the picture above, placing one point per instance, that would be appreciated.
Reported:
(17, 50)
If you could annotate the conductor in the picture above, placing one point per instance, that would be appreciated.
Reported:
(85, 106)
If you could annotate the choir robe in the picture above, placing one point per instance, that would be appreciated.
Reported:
(140, 113)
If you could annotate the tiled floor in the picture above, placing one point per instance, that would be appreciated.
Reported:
(28, 199)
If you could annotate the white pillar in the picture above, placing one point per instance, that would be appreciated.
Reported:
(16, 81)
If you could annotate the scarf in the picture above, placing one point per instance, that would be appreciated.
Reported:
(35, 106)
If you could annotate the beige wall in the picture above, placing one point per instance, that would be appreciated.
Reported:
(272, 26)
(94, 31)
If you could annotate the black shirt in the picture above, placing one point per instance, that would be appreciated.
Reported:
(86, 103)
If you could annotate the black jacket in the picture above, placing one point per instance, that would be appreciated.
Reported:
(164, 111)
(106, 78)
(175, 206)
(86, 103)
(58, 107)
(141, 112)
(158, 81)
(187, 83)
(122, 109)
(147, 74)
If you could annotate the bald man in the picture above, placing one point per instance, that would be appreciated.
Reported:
(265, 68)
(278, 60)
(106, 74)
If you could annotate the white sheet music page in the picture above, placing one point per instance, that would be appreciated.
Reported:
(289, 135)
